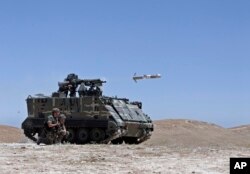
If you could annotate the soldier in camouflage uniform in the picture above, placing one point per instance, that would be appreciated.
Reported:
(62, 133)
(51, 125)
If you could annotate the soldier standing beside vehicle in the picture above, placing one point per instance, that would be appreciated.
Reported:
(49, 134)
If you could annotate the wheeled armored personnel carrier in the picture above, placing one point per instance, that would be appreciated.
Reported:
(90, 116)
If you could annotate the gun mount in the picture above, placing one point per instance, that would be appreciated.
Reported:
(87, 86)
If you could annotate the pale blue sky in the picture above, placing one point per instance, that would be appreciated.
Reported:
(201, 48)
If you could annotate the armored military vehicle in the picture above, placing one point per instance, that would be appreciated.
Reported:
(91, 117)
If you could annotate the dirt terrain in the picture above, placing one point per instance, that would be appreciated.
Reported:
(10, 134)
(191, 133)
(176, 146)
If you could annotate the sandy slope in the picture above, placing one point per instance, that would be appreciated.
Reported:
(190, 133)
(10, 134)
(242, 130)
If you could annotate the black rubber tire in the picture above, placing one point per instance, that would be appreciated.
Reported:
(97, 135)
(117, 141)
(82, 136)
(130, 140)
(72, 135)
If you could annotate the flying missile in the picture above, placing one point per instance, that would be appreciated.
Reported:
(146, 76)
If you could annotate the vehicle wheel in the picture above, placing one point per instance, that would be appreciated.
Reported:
(40, 131)
(130, 140)
(117, 141)
(72, 135)
(112, 126)
(97, 135)
(82, 135)
(30, 133)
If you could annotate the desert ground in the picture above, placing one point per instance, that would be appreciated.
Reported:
(176, 146)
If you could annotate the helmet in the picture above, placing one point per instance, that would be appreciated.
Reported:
(55, 110)
(62, 116)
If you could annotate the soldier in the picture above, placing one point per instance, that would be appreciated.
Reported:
(62, 133)
(49, 134)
